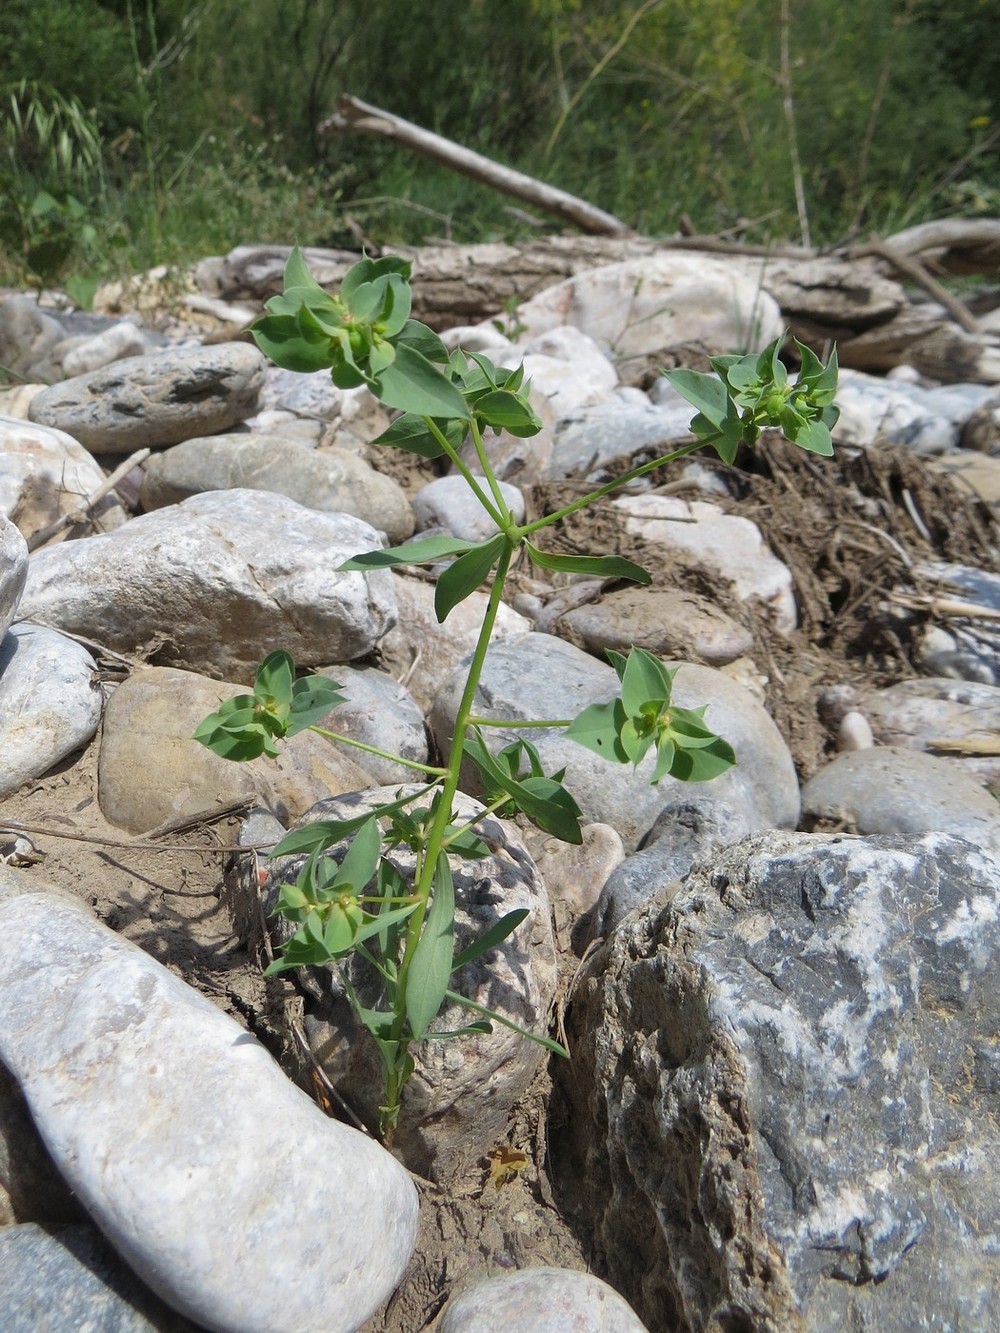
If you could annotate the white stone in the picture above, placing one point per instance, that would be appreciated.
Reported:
(109, 345)
(49, 703)
(726, 545)
(219, 1182)
(539, 1300)
(45, 473)
(448, 503)
(214, 583)
(874, 411)
(13, 571)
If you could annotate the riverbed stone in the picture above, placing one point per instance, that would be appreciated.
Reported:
(538, 676)
(457, 1103)
(13, 571)
(151, 772)
(380, 712)
(589, 438)
(155, 400)
(330, 480)
(449, 505)
(876, 411)
(219, 1143)
(958, 719)
(782, 1107)
(210, 584)
(44, 474)
(890, 789)
(50, 702)
(668, 622)
(544, 1300)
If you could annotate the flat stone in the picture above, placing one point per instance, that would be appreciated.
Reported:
(459, 1099)
(50, 704)
(782, 1101)
(69, 1280)
(726, 546)
(898, 791)
(537, 676)
(44, 474)
(878, 411)
(155, 400)
(156, 711)
(574, 876)
(379, 712)
(448, 504)
(212, 583)
(961, 719)
(219, 1145)
(330, 480)
(667, 622)
(121, 340)
(544, 1300)
(589, 438)
(13, 572)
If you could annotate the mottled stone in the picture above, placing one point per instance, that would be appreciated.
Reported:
(447, 503)
(330, 480)
(156, 712)
(44, 474)
(783, 1101)
(50, 703)
(589, 438)
(542, 1300)
(878, 411)
(113, 344)
(155, 400)
(380, 712)
(13, 571)
(211, 583)
(960, 720)
(457, 1103)
(218, 1181)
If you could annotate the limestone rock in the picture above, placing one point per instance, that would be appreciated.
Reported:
(379, 712)
(458, 1101)
(211, 583)
(219, 1143)
(544, 1300)
(878, 411)
(960, 719)
(784, 1091)
(13, 572)
(538, 676)
(151, 772)
(155, 400)
(113, 344)
(330, 480)
(589, 438)
(45, 473)
(448, 504)
(50, 704)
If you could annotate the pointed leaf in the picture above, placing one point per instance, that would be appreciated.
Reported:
(605, 566)
(646, 679)
(491, 938)
(280, 338)
(425, 341)
(411, 432)
(706, 392)
(504, 410)
(312, 698)
(415, 384)
(361, 859)
(274, 678)
(423, 552)
(814, 437)
(297, 273)
(462, 578)
(431, 965)
(547, 1042)
(598, 728)
(703, 765)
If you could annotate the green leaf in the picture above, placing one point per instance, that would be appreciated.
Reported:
(411, 432)
(423, 552)
(547, 1042)
(318, 836)
(473, 1030)
(704, 764)
(544, 800)
(644, 680)
(814, 437)
(274, 678)
(706, 392)
(507, 411)
(375, 925)
(425, 341)
(297, 273)
(415, 384)
(463, 577)
(370, 270)
(280, 338)
(606, 566)
(491, 938)
(431, 965)
(396, 310)
(312, 698)
(598, 729)
(362, 857)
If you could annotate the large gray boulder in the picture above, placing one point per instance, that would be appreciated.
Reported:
(214, 583)
(155, 400)
(784, 1094)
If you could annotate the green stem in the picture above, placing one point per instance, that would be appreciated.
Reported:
(437, 833)
(381, 754)
(606, 489)
(528, 723)
(473, 484)
(484, 463)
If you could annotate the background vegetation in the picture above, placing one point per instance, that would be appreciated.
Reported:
(136, 132)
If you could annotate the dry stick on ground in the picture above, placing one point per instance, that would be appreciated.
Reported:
(912, 268)
(85, 513)
(357, 116)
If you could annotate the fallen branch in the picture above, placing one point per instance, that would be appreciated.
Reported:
(912, 268)
(359, 117)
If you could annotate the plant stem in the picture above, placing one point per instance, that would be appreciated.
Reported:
(528, 723)
(381, 754)
(606, 489)
(477, 440)
(474, 485)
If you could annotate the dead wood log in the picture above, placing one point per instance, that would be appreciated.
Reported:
(959, 246)
(359, 117)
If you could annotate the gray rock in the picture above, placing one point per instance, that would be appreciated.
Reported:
(157, 710)
(26, 334)
(449, 504)
(155, 400)
(49, 702)
(219, 1144)
(686, 832)
(589, 438)
(665, 621)
(31, 1189)
(894, 790)
(784, 1092)
(981, 431)
(69, 1280)
(13, 572)
(538, 676)
(330, 480)
(379, 712)
(44, 474)
(958, 718)
(212, 583)
(458, 1101)
(113, 344)
(879, 411)
(575, 875)
(544, 1300)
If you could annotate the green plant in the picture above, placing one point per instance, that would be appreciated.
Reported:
(405, 931)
